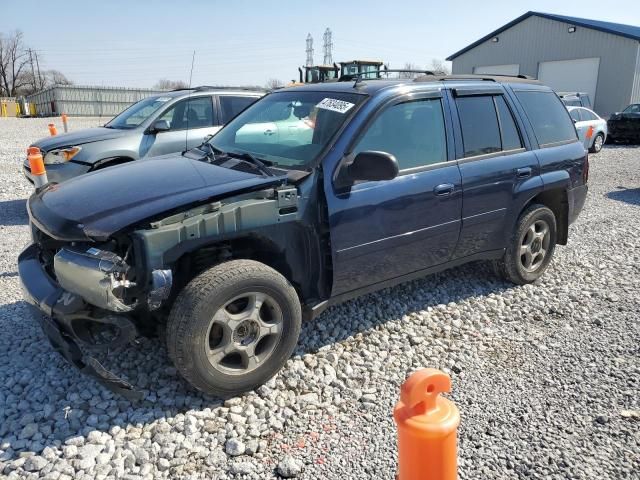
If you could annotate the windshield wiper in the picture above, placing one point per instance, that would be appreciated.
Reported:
(262, 165)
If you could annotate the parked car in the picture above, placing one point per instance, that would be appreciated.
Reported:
(575, 99)
(592, 129)
(625, 126)
(235, 242)
(157, 125)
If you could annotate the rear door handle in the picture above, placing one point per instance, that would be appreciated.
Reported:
(523, 172)
(444, 189)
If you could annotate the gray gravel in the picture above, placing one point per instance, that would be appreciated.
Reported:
(547, 377)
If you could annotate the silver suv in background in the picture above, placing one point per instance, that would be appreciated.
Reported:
(161, 124)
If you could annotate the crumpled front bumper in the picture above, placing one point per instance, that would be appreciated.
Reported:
(60, 308)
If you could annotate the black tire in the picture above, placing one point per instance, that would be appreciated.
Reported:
(594, 147)
(511, 266)
(189, 326)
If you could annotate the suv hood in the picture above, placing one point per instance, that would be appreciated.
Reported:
(80, 137)
(99, 204)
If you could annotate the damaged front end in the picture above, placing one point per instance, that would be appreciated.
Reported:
(87, 294)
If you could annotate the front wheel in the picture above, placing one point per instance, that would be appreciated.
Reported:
(531, 246)
(233, 327)
(598, 142)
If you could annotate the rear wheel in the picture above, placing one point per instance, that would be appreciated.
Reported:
(233, 327)
(531, 246)
(598, 142)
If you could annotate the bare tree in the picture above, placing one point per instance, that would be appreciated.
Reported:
(56, 77)
(14, 59)
(273, 83)
(165, 84)
(439, 66)
(409, 66)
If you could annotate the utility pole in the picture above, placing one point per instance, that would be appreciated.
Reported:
(328, 46)
(39, 77)
(309, 50)
(33, 72)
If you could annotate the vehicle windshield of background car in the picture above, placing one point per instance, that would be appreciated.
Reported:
(635, 108)
(137, 113)
(288, 129)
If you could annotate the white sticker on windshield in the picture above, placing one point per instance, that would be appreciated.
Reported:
(334, 105)
(163, 99)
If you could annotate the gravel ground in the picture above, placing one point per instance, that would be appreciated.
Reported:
(547, 377)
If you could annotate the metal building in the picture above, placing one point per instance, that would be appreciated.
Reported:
(79, 100)
(569, 54)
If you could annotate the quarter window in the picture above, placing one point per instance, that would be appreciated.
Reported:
(548, 116)
(413, 132)
(231, 106)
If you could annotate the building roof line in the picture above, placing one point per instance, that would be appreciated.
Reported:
(628, 31)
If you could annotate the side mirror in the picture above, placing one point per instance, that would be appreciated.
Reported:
(160, 126)
(372, 166)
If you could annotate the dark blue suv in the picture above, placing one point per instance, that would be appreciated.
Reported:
(311, 196)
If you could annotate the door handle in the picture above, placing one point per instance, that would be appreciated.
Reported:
(523, 172)
(269, 132)
(444, 189)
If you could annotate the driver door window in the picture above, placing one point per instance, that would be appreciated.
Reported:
(412, 131)
(191, 113)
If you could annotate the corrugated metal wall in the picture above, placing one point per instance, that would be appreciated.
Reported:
(77, 100)
(537, 39)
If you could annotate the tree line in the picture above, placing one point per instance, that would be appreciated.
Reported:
(20, 72)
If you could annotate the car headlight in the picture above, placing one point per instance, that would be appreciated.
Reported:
(61, 155)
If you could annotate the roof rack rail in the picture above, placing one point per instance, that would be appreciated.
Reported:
(358, 76)
(202, 88)
(476, 77)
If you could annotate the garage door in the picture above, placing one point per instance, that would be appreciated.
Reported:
(571, 75)
(512, 69)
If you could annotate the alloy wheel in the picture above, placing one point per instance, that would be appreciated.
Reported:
(243, 333)
(534, 245)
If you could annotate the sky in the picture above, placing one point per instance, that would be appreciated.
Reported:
(237, 42)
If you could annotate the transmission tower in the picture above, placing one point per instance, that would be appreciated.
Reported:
(328, 47)
(309, 50)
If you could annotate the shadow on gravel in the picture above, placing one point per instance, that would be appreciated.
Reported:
(14, 212)
(626, 195)
(47, 402)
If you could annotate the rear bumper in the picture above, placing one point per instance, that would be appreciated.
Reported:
(576, 198)
(60, 309)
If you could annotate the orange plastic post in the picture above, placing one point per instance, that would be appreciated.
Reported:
(427, 428)
(36, 165)
(64, 122)
(52, 129)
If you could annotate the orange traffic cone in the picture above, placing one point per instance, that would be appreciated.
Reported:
(52, 129)
(36, 164)
(427, 428)
(64, 122)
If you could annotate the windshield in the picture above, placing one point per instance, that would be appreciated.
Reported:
(288, 129)
(635, 108)
(137, 113)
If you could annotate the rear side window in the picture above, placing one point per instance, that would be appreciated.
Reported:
(479, 124)
(510, 135)
(231, 106)
(487, 125)
(587, 115)
(548, 116)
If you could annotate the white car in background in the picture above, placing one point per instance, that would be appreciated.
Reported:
(592, 129)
